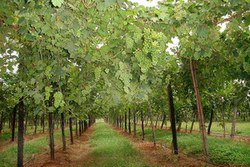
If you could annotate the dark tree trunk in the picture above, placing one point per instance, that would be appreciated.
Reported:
(210, 122)
(43, 122)
(35, 123)
(125, 121)
(129, 121)
(77, 128)
(134, 113)
(1, 122)
(89, 117)
(120, 121)
(193, 67)
(152, 123)
(10, 120)
(20, 132)
(193, 120)
(156, 123)
(71, 129)
(117, 122)
(63, 131)
(80, 128)
(142, 125)
(163, 120)
(172, 118)
(179, 126)
(85, 125)
(13, 123)
(51, 136)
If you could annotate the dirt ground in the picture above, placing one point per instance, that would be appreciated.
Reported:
(74, 156)
(79, 154)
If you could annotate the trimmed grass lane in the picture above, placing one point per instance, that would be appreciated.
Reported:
(109, 149)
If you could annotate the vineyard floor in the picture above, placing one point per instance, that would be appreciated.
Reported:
(75, 155)
(160, 155)
(104, 146)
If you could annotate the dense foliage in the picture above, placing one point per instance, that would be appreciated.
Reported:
(102, 57)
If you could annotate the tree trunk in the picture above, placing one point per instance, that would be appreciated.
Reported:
(156, 122)
(146, 123)
(120, 122)
(134, 114)
(142, 125)
(192, 124)
(77, 127)
(13, 123)
(163, 120)
(152, 123)
(35, 123)
(51, 136)
(43, 122)
(172, 118)
(85, 125)
(193, 68)
(210, 122)
(20, 132)
(234, 115)
(89, 117)
(71, 129)
(1, 122)
(179, 126)
(223, 120)
(125, 122)
(129, 121)
(80, 127)
(63, 131)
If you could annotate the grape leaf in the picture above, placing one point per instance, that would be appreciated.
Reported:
(57, 3)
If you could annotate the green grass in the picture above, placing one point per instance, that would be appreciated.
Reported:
(112, 150)
(242, 128)
(8, 156)
(7, 132)
(221, 150)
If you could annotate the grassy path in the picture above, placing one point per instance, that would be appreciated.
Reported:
(110, 149)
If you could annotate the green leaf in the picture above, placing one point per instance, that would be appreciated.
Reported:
(58, 96)
(38, 98)
(202, 31)
(57, 3)
(98, 71)
(48, 90)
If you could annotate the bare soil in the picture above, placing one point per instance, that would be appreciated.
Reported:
(74, 156)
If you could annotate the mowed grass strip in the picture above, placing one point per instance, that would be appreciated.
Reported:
(110, 149)
(242, 128)
(8, 157)
(221, 151)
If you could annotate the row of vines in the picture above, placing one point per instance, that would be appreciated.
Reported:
(99, 58)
